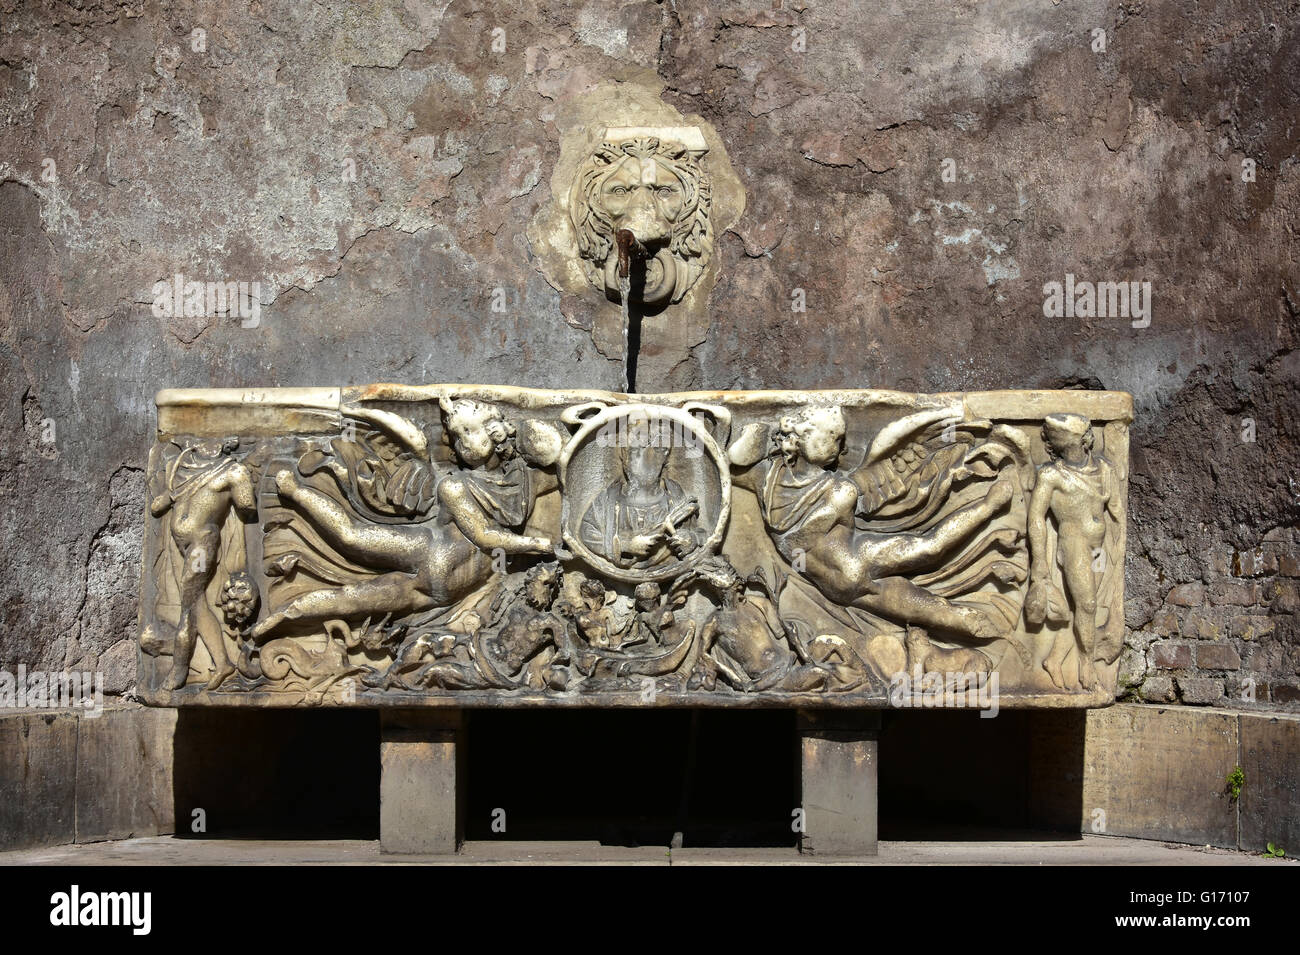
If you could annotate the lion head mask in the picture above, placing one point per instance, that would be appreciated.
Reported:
(657, 190)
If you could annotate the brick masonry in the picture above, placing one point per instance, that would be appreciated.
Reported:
(1228, 640)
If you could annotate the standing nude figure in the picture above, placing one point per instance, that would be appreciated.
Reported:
(199, 506)
(1077, 488)
(430, 565)
(809, 510)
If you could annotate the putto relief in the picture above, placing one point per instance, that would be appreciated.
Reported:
(472, 545)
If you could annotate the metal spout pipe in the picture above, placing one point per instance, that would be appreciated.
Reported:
(628, 246)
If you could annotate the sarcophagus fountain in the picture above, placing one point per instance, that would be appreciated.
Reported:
(442, 547)
(453, 545)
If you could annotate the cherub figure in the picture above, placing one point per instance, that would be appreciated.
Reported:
(205, 483)
(1076, 488)
(482, 505)
(596, 622)
(810, 509)
(655, 620)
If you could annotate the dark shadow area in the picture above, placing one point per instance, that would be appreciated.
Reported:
(948, 775)
(633, 348)
(637, 309)
(277, 774)
(631, 777)
(620, 777)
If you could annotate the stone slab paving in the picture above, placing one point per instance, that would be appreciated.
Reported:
(167, 850)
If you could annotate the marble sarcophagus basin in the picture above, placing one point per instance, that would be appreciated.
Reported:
(469, 546)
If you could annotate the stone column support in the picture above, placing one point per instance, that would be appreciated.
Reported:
(838, 773)
(418, 799)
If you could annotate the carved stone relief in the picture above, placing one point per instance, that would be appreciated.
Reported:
(643, 194)
(475, 545)
(639, 196)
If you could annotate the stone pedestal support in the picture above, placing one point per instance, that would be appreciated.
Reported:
(838, 774)
(418, 789)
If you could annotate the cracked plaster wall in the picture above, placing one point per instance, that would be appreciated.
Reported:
(234, 163)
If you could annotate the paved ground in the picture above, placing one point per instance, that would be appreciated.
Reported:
(1088, 850)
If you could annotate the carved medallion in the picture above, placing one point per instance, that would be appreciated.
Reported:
(646, 488)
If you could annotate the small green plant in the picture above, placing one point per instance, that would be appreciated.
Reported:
(1274, 852)
(1236, 781)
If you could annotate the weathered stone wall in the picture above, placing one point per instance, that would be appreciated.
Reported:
(374, 167)
(1226, 642)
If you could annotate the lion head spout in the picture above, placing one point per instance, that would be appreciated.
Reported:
(656, 190)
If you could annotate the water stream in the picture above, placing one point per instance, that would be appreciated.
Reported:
(625, 295)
